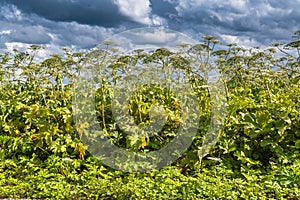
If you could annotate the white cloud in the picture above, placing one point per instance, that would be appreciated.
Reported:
(156, 20)
(5, 32)
(156, 37)
(267, 9)
(82, 36)
(41, 54)
(10, 12)
(149, 39)
(242, 41)
(139, 11)
(184, 7)
(240, 5)
(10, 46)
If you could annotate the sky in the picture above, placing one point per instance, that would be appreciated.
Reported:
(80, 24)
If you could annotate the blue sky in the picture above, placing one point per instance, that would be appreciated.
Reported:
(82, 23)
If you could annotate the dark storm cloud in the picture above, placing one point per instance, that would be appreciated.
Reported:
(262, 22)
(93, 12)
(19, 27)
(83, 23)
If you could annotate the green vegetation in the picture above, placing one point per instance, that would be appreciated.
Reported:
(256, 156)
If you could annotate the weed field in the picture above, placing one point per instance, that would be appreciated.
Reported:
(256, 156)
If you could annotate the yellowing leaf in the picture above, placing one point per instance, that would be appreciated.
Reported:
(144, 143)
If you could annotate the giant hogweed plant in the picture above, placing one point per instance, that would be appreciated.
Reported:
(262, 86)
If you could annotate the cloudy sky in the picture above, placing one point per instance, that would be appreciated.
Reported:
(83, 23)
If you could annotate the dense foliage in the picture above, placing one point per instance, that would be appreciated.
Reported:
(256, 157)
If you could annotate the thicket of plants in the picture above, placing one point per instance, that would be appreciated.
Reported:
(256, 156)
